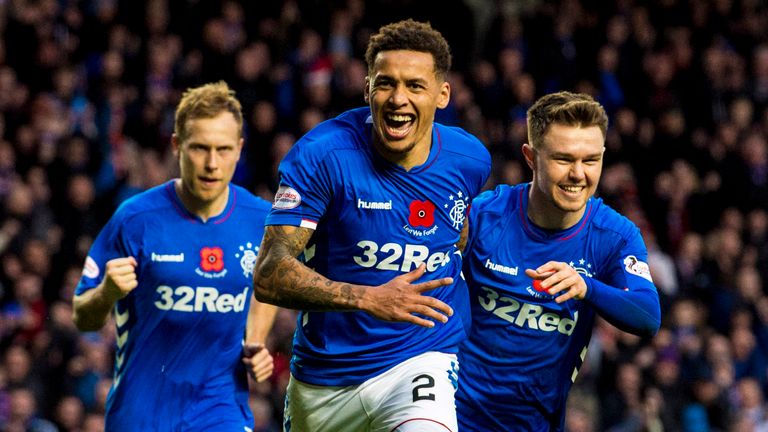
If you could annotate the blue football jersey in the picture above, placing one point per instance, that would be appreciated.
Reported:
(180, 332)
(524, 350)
(373, 221)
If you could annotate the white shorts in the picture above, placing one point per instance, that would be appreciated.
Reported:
(415, 395)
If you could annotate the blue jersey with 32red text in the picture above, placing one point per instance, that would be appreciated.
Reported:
(524, 350)
(373, 221)
(179, 333)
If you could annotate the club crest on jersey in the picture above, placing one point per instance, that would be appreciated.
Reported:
(583, 268)
(458, 211)
(211, 263)
(637, 267)
(247, 257)
(421, 218)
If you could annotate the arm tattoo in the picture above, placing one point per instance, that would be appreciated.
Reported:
(282, 280)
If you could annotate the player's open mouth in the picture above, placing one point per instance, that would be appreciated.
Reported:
(208, 182)
(397, 126)
(571, 190)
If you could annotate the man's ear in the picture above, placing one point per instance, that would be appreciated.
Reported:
(240, 148)
(530, 155)
(175, 144)
(445, 95)
(367, 90)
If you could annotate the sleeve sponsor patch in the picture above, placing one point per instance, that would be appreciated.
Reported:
(637, 267)
(286, 198)
(90, 269)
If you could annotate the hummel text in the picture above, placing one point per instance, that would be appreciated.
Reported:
(374, 205)
(168, 257)
(500, 268)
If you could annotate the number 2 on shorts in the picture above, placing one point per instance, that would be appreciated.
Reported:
(417, 394)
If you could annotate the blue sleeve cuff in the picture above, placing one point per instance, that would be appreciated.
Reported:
(634, 309)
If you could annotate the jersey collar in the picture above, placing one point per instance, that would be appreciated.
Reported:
(189, 216)
(538, 233)
(434, 151)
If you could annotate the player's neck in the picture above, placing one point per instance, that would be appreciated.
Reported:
(203, 209)
(415, 156)
(545, 214)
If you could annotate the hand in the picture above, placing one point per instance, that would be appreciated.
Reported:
(559, 277)
(258, 360)
(120, 277)
(400, 299)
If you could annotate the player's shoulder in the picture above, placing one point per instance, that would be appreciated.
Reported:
(247, 200)
(147, 202)
(344, 132)
(503, 199)
(608, 219)
(457, 140)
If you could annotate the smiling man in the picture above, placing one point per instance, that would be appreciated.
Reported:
(542, 261)
(376, 199)
(175, 265)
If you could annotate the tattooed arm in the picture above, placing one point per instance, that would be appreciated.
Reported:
(281, 279)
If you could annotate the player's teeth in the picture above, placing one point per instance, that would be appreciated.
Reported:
(399, 118)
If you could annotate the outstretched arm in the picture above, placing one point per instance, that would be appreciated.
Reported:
(282, 280)
(634, 309)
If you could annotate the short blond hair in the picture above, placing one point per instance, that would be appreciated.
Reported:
(206, 101)
(566, 108)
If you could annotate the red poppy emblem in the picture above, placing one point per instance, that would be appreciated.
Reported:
(211, 259)
(537, 284)
(422, 214)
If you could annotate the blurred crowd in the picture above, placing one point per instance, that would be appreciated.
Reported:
(87, 96)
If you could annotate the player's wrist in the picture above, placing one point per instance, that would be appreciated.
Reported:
(110, 294)
(360, 298)
(588, 288)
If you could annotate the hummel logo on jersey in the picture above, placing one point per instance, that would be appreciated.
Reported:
(121, 318)
(374, 205)
(168, 257)
(500, 268)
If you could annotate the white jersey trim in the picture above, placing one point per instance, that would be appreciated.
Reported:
(306, 223)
